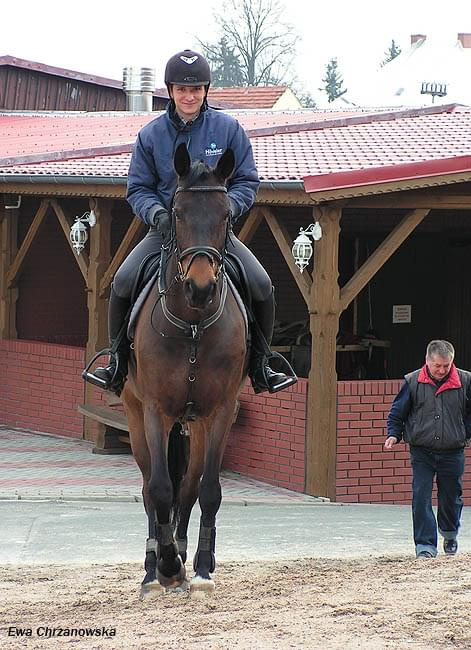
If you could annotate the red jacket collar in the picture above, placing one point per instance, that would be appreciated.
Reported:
(453, 380)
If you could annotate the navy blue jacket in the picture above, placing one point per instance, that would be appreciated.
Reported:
(152, 178)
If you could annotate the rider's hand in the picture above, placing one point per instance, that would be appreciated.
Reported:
(160, 219)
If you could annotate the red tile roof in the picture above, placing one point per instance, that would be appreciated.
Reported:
(325, 150)
(248, 97)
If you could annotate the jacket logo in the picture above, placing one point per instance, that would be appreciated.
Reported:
(213, 150)
(189, 59)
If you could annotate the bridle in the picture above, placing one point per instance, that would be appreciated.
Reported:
(215, 256)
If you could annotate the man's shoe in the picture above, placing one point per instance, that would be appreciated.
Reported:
(450, 546)
(112, 376)
(106, 374)
(424, 554)
(264, 378)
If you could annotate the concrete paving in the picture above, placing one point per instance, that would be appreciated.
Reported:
(59, 503)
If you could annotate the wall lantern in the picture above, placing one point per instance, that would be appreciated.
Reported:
(302, 247)
(79, 233)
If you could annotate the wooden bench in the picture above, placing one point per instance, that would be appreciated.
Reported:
(114, 441)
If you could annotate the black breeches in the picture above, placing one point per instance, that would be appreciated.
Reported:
(259, 280)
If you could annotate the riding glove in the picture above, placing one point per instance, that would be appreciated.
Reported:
(159, 218)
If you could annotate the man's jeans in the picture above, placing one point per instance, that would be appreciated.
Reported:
(448, 467)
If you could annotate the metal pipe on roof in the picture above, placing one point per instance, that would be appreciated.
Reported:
(139, 86)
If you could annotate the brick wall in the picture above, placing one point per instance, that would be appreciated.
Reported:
(267, 440)
(41, 387)
(365, 472)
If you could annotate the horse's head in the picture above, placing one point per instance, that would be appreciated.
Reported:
(201, 214)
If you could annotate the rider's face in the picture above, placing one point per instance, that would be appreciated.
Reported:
(188, 100)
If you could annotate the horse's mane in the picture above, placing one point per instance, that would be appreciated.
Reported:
(199, 171)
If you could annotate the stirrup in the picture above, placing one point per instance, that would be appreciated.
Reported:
(261, 386)
(102, 383)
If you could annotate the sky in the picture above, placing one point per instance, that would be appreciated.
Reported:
(100, 37)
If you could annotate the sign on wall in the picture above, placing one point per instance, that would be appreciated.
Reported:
(402, 313)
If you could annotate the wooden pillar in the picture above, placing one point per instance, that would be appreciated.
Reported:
(8, 294)
(324, 313)
(99, 260)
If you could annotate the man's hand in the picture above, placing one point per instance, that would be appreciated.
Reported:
(160, 219)
(390, 442)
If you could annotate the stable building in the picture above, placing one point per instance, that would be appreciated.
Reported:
(391, 194)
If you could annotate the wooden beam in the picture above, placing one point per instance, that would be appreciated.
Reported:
(82, 259)
(250, 226)
(376, 260)
(414, 200)
(123, 249)
(8, 295)
(100, 246)
(324, 313)
(282, 238)
(15, 268)
(293, 197)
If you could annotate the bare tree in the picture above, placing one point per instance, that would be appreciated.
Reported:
(255, 31)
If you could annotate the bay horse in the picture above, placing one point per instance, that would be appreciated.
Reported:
(188, 367)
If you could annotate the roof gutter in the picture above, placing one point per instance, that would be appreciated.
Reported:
(55, 179)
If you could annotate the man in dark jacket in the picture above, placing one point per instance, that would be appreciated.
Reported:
(152, 182)
(432, 413)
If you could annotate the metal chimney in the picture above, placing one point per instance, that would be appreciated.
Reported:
(139, 85)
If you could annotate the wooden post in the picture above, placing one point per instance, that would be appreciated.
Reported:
(324, 313)
(8, 294)
(97, 304)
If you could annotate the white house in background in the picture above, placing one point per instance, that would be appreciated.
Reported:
(433, 70)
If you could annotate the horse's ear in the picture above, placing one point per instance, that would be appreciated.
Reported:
(181, 160)
(226, 164)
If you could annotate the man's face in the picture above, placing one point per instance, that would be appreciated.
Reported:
(188, 100)
(438, 367)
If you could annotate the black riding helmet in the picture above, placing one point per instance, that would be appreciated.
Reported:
(188, 68)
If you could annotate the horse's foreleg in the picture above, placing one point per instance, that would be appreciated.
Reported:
(140, 450)
(210, 495)
(189, 488)
(170, 568)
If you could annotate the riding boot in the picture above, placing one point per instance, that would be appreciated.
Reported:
(262, 376)
(114, 374)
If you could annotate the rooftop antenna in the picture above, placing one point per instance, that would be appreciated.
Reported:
(434, 89)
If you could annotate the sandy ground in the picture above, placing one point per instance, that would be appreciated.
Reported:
(374, 603)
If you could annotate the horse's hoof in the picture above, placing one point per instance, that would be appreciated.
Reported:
(172, 582)
(151, 590)
(201, 587)
(180, 589)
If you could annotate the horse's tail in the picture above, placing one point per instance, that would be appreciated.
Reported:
(178, 456)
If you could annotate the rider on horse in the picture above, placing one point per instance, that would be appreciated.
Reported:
(151, 186)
